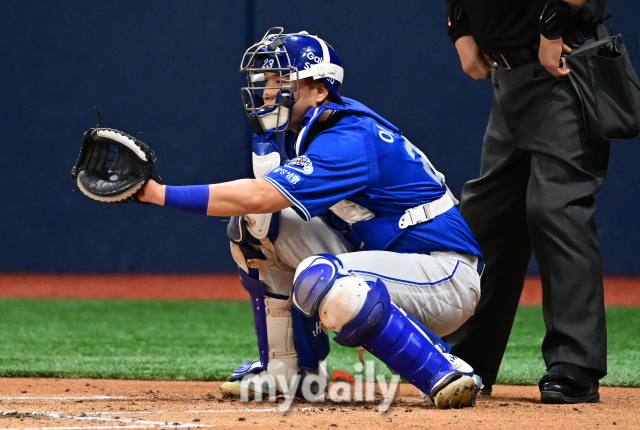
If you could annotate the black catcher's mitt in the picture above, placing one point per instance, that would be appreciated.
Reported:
(113, 166)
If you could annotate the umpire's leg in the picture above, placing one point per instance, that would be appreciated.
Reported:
(494, 207)
(567, 170)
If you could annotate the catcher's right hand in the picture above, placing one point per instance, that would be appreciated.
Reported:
(133, 164)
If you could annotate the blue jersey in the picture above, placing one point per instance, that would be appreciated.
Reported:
(364, 159)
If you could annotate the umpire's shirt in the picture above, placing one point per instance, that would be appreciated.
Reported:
(502, 26)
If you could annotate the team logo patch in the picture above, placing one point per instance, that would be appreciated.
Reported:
(301, 163)
(291, 177)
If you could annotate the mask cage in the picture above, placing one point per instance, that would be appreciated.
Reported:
(268, 55)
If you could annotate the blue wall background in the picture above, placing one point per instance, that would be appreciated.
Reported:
(170, 70)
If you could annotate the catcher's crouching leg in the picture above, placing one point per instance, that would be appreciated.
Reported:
(277, 370)
(361, 314)
(280, 370)
(290, 345)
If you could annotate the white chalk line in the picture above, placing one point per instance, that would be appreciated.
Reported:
(79, 427)
(248, 410)
(69, 398)
(94, 415)
(109, 416)
(137, 423)
(140, 423)
(215, 411)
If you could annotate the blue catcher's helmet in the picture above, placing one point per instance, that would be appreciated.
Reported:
(297, 56)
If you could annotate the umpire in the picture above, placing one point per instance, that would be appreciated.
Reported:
(539, 174)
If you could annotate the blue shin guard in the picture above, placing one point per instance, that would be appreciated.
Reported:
(439, 343)
(256, 290)
(385, 331)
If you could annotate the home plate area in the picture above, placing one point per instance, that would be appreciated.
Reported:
(36, 403)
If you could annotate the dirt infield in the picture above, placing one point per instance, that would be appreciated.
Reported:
(104, 404)
(107, 404)
(618, 291)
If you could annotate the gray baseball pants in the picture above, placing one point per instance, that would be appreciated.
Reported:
(441, 290)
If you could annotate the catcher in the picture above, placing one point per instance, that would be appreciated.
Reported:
(348, 228)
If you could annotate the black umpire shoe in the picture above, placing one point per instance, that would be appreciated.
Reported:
(568, 383)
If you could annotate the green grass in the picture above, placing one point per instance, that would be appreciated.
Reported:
(523, 364)
(206, 340)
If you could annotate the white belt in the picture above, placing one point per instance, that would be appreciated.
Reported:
(427, 212)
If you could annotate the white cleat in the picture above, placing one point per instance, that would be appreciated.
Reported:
(459, 393)
(256, 386)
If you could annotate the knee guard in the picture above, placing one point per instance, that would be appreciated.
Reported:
(314, 277)
(244, 231)
(362, 314)
(240, 243)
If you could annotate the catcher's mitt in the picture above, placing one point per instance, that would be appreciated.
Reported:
(113, 166)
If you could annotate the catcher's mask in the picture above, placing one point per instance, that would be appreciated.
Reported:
(294, 56)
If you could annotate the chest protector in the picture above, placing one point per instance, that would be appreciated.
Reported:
(365, 232)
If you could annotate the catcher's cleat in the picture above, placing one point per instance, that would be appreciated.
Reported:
(459, 393)
(250, 387)
(259, 385)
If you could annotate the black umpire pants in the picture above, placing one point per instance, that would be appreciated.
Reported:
(539, 174)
